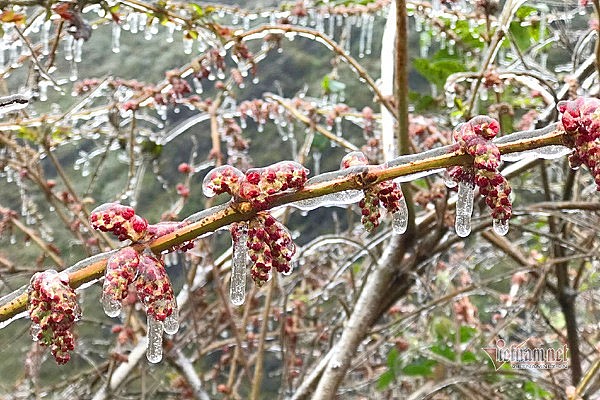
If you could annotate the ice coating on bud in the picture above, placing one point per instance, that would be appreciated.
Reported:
(464, 209)
(581, 120)
(154, 351)
(400, 218)
(53, 309)
(120, 220)
(223, 179)
(237, 288)
(154, 288)
(261, 184)
(121, 270)
(353, 159)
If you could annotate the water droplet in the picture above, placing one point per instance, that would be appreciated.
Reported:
(155, 338)
(500, 226)
(111, 306)
(448, 181)
(237, 289)
(464, 209)
(400, 218)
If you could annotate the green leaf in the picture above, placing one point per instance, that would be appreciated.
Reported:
(437, 71)
(520, 35)
(385, 379)
(536, 390)
(444, 351)
(525, 11)
(468, 357)
(466, 333)
(421, 102)
(441, 328)
(423, 367)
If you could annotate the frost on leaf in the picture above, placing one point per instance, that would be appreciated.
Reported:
(53, 309)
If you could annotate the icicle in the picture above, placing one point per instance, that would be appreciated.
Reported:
(170, 32)
(77, 49)
(400, 218)
(171, 324)
(46, 37)
(331, 26)
(500, 226)
(197, 85)
(187, 45)
(317, 162)
(116, 38)
(369, 44)
(69, 47)
(464, 209)
(424, 43)
(155, 338)
(74, 73)
(133, 22)
(338, 127)
(363, 36)
(237, 289)
(246, 23)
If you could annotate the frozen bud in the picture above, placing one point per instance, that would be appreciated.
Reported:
(261, 184)
(121, 270)
(120, 220)
(353, 159)
(224, 179)
(154, 288)
(581, 120)
(370, 210)
(53, 309)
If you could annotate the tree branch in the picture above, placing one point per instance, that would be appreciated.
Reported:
(209, 220)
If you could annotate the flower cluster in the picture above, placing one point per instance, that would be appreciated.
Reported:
(154, 288)
(138, 266)
(53, 310)
(270, 245)
(387, 193)
(121, 271)
(581, 119)
(474, 138)
(258, 185)
(261, 184)
(120, 220)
